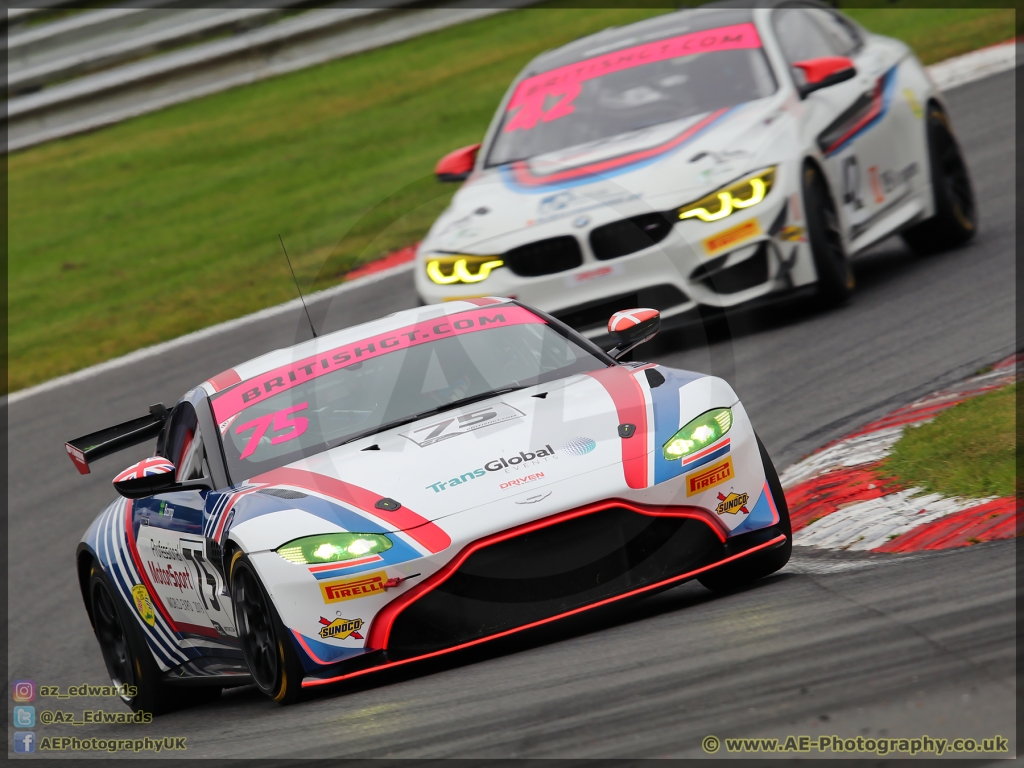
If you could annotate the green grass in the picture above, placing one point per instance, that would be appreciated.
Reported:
(968, 450)
(168, 223)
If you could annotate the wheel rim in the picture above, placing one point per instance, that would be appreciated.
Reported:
(113, 641)
(955, 181)
(255, 628)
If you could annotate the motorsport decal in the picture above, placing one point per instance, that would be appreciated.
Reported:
(264, 386)
(549, 95)
(579, 446)
(351, 589)
(523, 458)
(453, 426)
(730, 237)
(341, 629)
(710, 477)
(143, 604)
(733, 503)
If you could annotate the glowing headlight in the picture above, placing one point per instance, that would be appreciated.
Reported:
(735, 197)
(699, 433)
(332, 547)
(445, 270)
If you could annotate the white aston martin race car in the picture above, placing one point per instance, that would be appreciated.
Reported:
(706, 158)
(410, 487)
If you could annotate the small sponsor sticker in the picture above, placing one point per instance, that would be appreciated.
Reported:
(350, 589)
(730, 237)
(522, 480)
(603, 272)
(341, 629)
(733, 503)
(915, 105)
(710, 477)
(143, 604)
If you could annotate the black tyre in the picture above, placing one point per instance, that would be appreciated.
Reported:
(757, 566)
(836, 280)
(268, 650)
(956, 218)
(127, 656)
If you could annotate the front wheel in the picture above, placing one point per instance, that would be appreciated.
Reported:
(956, 218)
(127, 656)
(267, 649)
(836, 280)
(757, 566)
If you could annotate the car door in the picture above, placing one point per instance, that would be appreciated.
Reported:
(171, 544)
(844, 118)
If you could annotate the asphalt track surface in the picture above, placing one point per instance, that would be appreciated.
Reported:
(834, 644)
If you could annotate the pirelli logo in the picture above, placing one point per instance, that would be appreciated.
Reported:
(699, 482)
(350, 589)
(730, 237)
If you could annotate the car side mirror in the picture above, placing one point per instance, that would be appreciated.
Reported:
(457, 165)
(149, 476)
(823, 72)
(632, 327)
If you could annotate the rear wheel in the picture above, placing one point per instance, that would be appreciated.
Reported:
(273, 663)
(757, 566)
(127, 656)
(836, 280)
(956, 219)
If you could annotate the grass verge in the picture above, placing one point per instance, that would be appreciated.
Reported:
(168, 223)
(968, 450)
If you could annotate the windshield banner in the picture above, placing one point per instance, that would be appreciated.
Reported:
(566, 82)
(260, 388)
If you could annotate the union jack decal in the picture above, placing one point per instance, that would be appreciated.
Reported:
(155, 465)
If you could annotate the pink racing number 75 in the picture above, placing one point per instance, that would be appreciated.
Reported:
(282, 419)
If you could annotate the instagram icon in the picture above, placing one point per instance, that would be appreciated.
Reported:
(24, 690)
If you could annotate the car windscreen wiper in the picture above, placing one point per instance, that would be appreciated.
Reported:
(422, 414)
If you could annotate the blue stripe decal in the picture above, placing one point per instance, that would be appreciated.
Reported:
(760, 516)
(666, 420)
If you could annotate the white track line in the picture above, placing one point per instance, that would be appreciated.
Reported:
(946, 74)
(158, 349)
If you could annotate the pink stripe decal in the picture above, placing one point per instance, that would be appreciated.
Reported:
(565, 83)
(266, 385)
(525, 176)
(625, 392)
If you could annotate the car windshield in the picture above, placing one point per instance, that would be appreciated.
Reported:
(631, 89)
(316, 403)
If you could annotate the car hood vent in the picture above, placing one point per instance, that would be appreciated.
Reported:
(283, 493)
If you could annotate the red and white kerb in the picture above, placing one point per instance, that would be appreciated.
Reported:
(628, 318)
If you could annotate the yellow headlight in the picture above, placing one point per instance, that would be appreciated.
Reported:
(737, 196)
(445, 270)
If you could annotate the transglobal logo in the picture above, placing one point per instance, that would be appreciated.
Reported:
(521, 459)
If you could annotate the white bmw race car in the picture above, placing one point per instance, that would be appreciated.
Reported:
(706, 158)
(410, 487)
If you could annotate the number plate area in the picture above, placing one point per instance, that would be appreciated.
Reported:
(454, 425)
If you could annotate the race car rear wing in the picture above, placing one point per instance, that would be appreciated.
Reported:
(87, 449)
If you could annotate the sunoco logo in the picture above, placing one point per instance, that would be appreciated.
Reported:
(341, 629)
